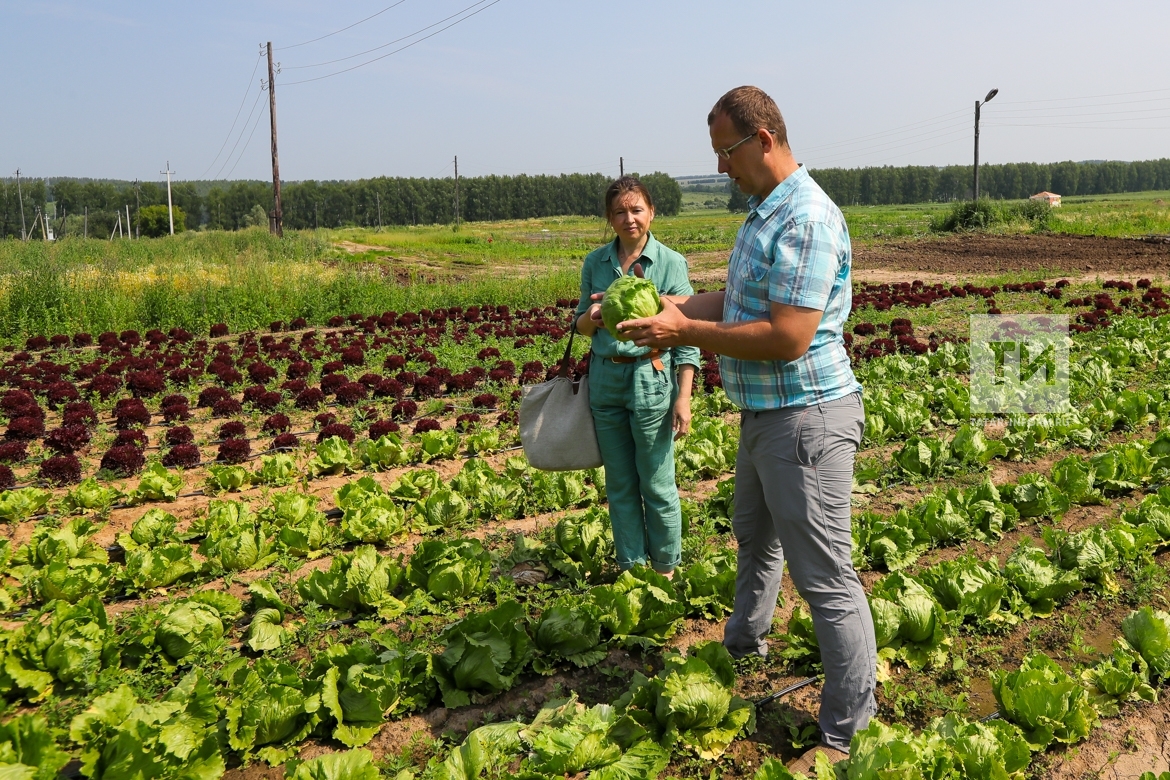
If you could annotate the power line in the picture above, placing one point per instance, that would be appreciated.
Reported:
(259, 95)
(888, 147)
(1092, 105)
(935, 120)
(343, 29)
(254, 126)
(391, 43)
(1083, 97)
(1085, 127)
(243, 100)
(1126, 116)
(953, 127)
(396, 51)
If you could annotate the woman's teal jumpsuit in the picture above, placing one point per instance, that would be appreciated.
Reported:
(632, 404)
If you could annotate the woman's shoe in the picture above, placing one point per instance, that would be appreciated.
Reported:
(808, 762)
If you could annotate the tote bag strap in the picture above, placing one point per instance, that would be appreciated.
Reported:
(567, 359)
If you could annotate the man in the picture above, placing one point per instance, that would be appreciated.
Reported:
(778, 329)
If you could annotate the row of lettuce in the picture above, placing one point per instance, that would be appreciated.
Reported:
(689, 706)
(72, 646)
(1040, 704)
(916, 617)
(986, 511)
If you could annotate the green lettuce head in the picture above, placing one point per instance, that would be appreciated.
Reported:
(629, 298)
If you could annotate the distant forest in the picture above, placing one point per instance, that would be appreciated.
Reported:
(1010, 181)
(92, 206)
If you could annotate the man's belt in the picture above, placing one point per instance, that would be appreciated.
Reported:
(654, 356)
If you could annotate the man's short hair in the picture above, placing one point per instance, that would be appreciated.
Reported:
(750, 109)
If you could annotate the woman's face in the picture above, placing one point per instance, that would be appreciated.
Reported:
(630, 217)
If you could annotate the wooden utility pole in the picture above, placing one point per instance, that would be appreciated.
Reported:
(20, 197)
(128, 233)
(277, 225)
(137, 212)
(85, 223)
(621, 166)
(378, 198)
(170, 204)
(456, 192)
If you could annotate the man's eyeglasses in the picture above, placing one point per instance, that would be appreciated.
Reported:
(726, 153)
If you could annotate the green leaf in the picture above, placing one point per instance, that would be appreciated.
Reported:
(160, 567)
(188, 626)
(19, 505)
(1038, 580)
(568, 629)
(1047, 704)
(582, 544)
(641, 608)
(229, 478)
(438, 445)
(347, 765)
(90, 496)
(333, 456)
(278, 469)
(1148, 631)
(269, 710)
(157, 484)
(28, 750)
(358, 581)
(123, 738)
(484, 653)
(444, 509)
(450, 571)
(383, 454)
(378, 520)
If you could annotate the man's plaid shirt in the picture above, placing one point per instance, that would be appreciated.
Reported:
(793, 249)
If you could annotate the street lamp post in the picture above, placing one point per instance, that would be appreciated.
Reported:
(989, 96)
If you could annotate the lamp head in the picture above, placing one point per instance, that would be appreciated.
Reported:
(990, 95)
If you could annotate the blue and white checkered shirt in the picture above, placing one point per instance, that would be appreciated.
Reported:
(793, 249)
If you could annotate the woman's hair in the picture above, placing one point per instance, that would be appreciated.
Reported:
(751, 110)
(624, 186)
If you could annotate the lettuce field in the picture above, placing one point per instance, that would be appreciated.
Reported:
(312, 547)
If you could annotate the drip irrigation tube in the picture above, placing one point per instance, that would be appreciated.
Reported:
(796, 686)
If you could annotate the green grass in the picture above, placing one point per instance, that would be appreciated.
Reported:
(246, 279)
(249, 278)
(1123, 214)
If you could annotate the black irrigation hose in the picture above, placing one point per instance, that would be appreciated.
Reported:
(349, 621)
(796, 686)
(996, 715)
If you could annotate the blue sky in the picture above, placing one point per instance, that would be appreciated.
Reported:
(116, 89)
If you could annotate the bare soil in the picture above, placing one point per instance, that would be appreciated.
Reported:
(974, 254)
(954, 258)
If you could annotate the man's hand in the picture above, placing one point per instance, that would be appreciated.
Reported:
(663, 330)
(785, 335)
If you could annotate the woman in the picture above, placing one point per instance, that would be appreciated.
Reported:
(639, 406)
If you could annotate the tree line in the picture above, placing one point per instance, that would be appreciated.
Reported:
(409, 201)
(314, 204)
(889, 185)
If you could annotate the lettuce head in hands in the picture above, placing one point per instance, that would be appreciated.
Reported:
(629, 298)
